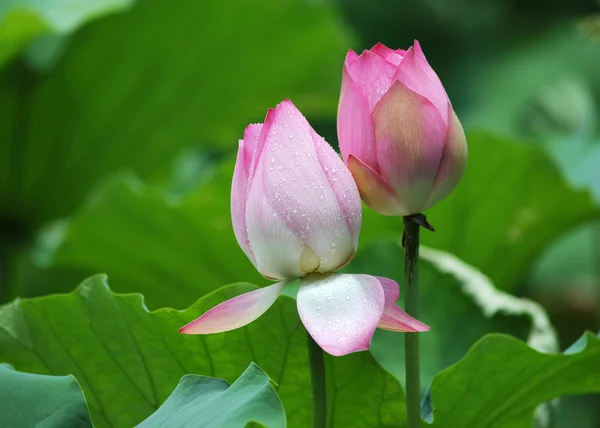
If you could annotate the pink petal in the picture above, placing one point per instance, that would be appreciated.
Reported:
(374, 190)
(453, 163)
(350, 58)
(239, 197)
(373, 75)
(343, 185)
(235, 313)
(410, 137)
(276, 248)
(392, 56)
(395, 319)
(296, 186)
(260, 143)
(354, 125)
(251, 134)
(416, 73)
(341, 311)
(391, 289)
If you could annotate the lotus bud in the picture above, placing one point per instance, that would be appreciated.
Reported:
(294, 204)
(398, 132)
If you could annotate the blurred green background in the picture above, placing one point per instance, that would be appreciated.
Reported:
(119, 122)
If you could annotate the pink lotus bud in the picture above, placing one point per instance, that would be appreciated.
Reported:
(294, 205)
(398, 132)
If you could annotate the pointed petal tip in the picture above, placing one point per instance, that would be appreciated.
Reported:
(269, 117)
(351, 55)
(396, 319)
(418, 48)
(286, 106)
(187, 329)
(253, 126)
(235, 312)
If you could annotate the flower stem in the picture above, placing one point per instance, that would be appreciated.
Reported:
(411, 305)
(317, 375)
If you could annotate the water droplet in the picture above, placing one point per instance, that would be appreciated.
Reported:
(348, 322)
(334, 247)
(272, 160)
(291, 136)
(319, 308)
(347, 297)
(341, 339)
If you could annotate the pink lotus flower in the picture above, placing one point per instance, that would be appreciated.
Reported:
(296, 214)
(398, 132)
(294, 205)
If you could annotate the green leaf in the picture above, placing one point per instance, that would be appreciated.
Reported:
(133, 89)
(570, 263)
(459, 304)
(209, 402)
(505, 208)
(174, 253)
(115, 347)
(530, 91)
(29, 400)
(501, 381)
(23, 20)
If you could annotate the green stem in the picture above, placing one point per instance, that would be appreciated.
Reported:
(411, 305)
(317, 375)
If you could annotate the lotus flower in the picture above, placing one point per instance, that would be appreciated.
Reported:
(398, 132)
(296, 213)
(294, 205)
